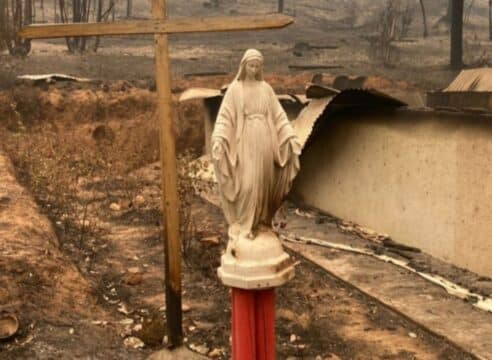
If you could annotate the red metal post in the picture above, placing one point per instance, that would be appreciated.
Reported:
(253, 324)
(265, 324)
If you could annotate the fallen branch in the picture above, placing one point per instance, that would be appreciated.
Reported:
(211, 73)
(394, 245)
(314, 67)
(479, 301)
(402, 253)
(328, 47)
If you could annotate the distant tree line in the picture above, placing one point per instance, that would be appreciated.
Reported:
(395, 20)
(14, 14)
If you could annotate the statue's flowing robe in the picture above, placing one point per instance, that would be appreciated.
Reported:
(258, 157)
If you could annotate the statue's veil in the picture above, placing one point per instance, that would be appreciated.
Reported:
(250, 54)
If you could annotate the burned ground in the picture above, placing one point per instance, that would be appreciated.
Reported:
(84, 268)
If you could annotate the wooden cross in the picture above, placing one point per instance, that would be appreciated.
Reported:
(160, 26)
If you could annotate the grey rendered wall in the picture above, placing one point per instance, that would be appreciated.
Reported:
(422, 177)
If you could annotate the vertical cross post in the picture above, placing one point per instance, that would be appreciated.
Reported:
(170, 201)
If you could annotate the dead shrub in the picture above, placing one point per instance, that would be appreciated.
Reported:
(190, 126)
(56, 159)
(7, 78)
(394, 23)
(352, 10)
(52, 159)
(188, 187)
(475, 53)
(21, 109)
(50, 164)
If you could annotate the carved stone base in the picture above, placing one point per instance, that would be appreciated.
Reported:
(257, 263)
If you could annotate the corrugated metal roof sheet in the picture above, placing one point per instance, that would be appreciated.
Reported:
(318, 91)
(304, 124)
(199, 93)
(319, 110)
(366, 97)
(204, 93)
(53, 77)
(472, 80)
(306, 121)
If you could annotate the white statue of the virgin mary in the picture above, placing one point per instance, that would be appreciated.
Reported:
(254, 150)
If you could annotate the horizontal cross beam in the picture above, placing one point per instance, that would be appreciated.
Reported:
(180, 25)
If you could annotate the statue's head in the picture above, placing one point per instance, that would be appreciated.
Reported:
(251, 66)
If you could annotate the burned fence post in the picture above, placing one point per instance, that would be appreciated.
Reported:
(457, 34)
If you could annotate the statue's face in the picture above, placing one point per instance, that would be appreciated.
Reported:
(252, 68)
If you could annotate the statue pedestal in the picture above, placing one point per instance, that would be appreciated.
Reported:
(258, 263)
(253, 268)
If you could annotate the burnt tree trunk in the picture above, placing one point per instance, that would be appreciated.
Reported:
(13, 17)
(64, 19)
(490, 19)
(42, 11)
(129, 8)
(449, 11)
(424, 18)
(98, 19)
(3, 24)
(102, 17)
(457, 34)
(445, 20)
(81, 10)
(280, 6)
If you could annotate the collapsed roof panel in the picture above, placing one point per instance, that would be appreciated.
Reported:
(477, 80)
(304, 123)
(306, 115)
(470, 91)
(212, 98)
(49, 78)
(318, 111)
(199, 93)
